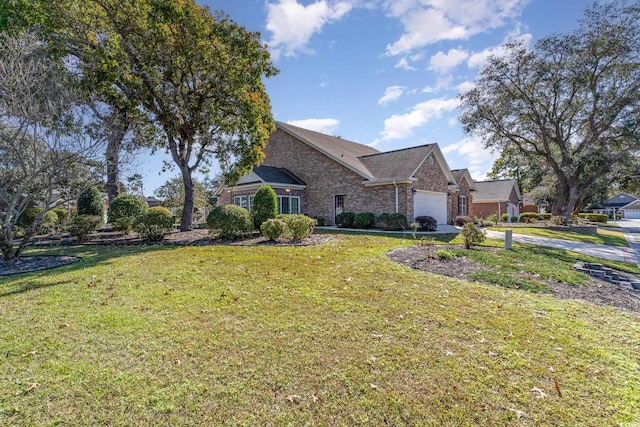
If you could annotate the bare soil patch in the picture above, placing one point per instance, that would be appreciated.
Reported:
(596, 291)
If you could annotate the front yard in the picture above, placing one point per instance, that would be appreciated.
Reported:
(603, 237)
(332, 334)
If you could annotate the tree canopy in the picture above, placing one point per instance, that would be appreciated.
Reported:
(571, 104)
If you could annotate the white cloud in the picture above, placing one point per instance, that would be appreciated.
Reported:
(443, 62)
(400, 126)
(327, 126)
(293, 24)
(404, 64)
(392, 93)
(465, 87)
(471, 149)
(479, 59)
(429, 21)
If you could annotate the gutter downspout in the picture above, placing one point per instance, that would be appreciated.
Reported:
(396, 185)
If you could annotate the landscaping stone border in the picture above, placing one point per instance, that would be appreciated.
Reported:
(608, 274)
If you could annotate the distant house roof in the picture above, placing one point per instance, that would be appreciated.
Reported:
(494, 191)
(371, 164)
(635, 206)
(152, 201)
(620, 200)
(458, 174)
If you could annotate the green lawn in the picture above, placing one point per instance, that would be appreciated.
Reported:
(604, 237)
(334, 334)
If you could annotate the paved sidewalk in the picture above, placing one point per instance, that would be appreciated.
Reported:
(616, 253)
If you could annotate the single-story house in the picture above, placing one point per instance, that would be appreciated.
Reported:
(497, 197)
(530, 205)
(322, 176)
(632, 210)
(152, 201)
(615, 204)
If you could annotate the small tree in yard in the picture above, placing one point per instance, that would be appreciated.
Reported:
(471, 235)
(44, 160)
(265, 205)
(90, 202)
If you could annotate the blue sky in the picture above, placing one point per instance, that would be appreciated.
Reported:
(385, 72)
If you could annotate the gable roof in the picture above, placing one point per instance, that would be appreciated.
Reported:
(458, 174)
(620, 200)
(369, 163)
(497, 190)
(270, 175)
(345, 152)
(633, 206)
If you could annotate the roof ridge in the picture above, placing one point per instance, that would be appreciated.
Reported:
(400, 149)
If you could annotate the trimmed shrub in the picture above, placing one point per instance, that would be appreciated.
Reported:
(594, 217)
(273, 228)
(557, 220)
(544, 216)
(320, 221)
(229, 221)
(155, 224)
(345, 219)
(462, 220)
(63, 215)
(528, 217)
(505, 217)
(126, 206)
(427, 223)
(124, 224)
(90, 202)
(298, 226)
(364, 220)
(265, 205)
(29, 215)
(471, 235)
(493, 218)
(444, 254)
(393, 222)
(83, 225)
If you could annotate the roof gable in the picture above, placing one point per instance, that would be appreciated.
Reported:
(635, 205)
(460, 174)
(497, 190)
(345, 152)
(620, 199)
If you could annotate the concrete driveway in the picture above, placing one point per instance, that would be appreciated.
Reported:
(616, 253)
(632, 234)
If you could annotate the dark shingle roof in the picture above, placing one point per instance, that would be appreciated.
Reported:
(397, 164)
(635, 205)
(493, 190)
(277, 175)
(620, 200)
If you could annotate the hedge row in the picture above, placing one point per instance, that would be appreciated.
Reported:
(386, 221)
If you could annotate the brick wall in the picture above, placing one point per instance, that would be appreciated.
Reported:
(483, 210)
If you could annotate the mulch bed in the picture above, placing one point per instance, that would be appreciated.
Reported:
(596, 291)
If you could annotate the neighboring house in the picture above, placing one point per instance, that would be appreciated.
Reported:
(632, 210)
(322, 176)
(462, 196)
(152, 201)
(530, 205)
(615, 204)
(497, 197)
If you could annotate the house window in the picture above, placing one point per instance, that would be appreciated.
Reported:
(339, 204)
(244, 202)
(240, 201)
(288, 204)
(462, 201)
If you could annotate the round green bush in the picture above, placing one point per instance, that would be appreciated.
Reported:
(90, 202)
(298, 226)
(393, 222)
(273, 228)
(29, 215)
(126, 206)
(83, 225)
(364, 220)
(462, 220)
(345, 219)
(427, 223)
(63, 215)
(155, 224)
(229, 221)
(264, 206)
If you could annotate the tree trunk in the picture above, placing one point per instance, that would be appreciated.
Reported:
(567, 197)
(114, 144)
(8, 255)
(187, 211)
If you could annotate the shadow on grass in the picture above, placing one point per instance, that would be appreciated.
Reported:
(26, 287)
(439, 237)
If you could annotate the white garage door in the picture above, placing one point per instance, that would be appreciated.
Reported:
(427, 203)
(632, 214)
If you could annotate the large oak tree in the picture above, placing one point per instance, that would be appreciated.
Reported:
(572, 102)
